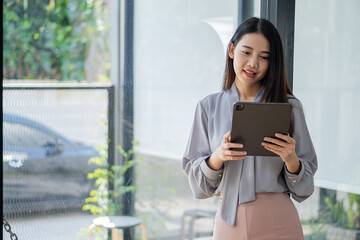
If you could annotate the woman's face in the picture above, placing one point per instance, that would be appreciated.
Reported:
(251, 58)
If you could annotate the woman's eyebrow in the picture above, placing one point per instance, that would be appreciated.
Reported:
(245, 46)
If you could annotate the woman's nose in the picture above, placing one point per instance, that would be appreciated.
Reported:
(253, 62)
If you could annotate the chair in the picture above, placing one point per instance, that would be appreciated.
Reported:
(117, 222)
(194, 214)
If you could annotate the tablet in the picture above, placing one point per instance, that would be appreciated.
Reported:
(253, 121)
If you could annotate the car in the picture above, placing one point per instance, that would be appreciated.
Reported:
(43, 171)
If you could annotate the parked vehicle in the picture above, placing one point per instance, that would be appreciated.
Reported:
(42, 170)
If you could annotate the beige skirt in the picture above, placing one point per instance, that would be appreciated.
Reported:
(270, 216)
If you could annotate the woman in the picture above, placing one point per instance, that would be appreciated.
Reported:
(254, 190)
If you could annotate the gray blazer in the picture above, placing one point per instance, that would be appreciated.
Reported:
(240, 180)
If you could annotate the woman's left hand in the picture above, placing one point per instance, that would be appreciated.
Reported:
(284, 146)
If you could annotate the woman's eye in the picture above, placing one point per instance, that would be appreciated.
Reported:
(245, 52)
(264, 57)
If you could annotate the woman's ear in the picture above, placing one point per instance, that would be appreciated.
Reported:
(231, 50)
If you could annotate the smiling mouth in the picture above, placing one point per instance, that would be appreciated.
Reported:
(249, 73)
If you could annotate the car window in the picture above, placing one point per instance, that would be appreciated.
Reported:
(20, 135)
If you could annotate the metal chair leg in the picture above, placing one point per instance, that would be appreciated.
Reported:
(191, 228)
(183, 227)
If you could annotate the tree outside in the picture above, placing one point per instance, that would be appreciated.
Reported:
(64, 40)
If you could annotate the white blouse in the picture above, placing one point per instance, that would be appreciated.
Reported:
(240, 180)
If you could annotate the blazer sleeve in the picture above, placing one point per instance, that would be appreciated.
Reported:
(301, 185)
(202, 179)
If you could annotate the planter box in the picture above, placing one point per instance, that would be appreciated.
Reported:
(336, 233)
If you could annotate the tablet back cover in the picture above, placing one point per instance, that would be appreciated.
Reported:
(253, 121)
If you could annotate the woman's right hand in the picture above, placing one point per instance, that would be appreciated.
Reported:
(225, 152)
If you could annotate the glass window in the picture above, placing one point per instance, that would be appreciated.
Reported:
(327, 80)
(179, 58)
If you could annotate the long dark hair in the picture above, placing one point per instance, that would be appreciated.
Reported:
(275, 80)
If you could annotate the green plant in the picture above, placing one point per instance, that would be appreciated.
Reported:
(315, 228)
(105, 199)
(105, 202)
(109, 183)
(342, 217)
(50, 39)
(354, 217)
